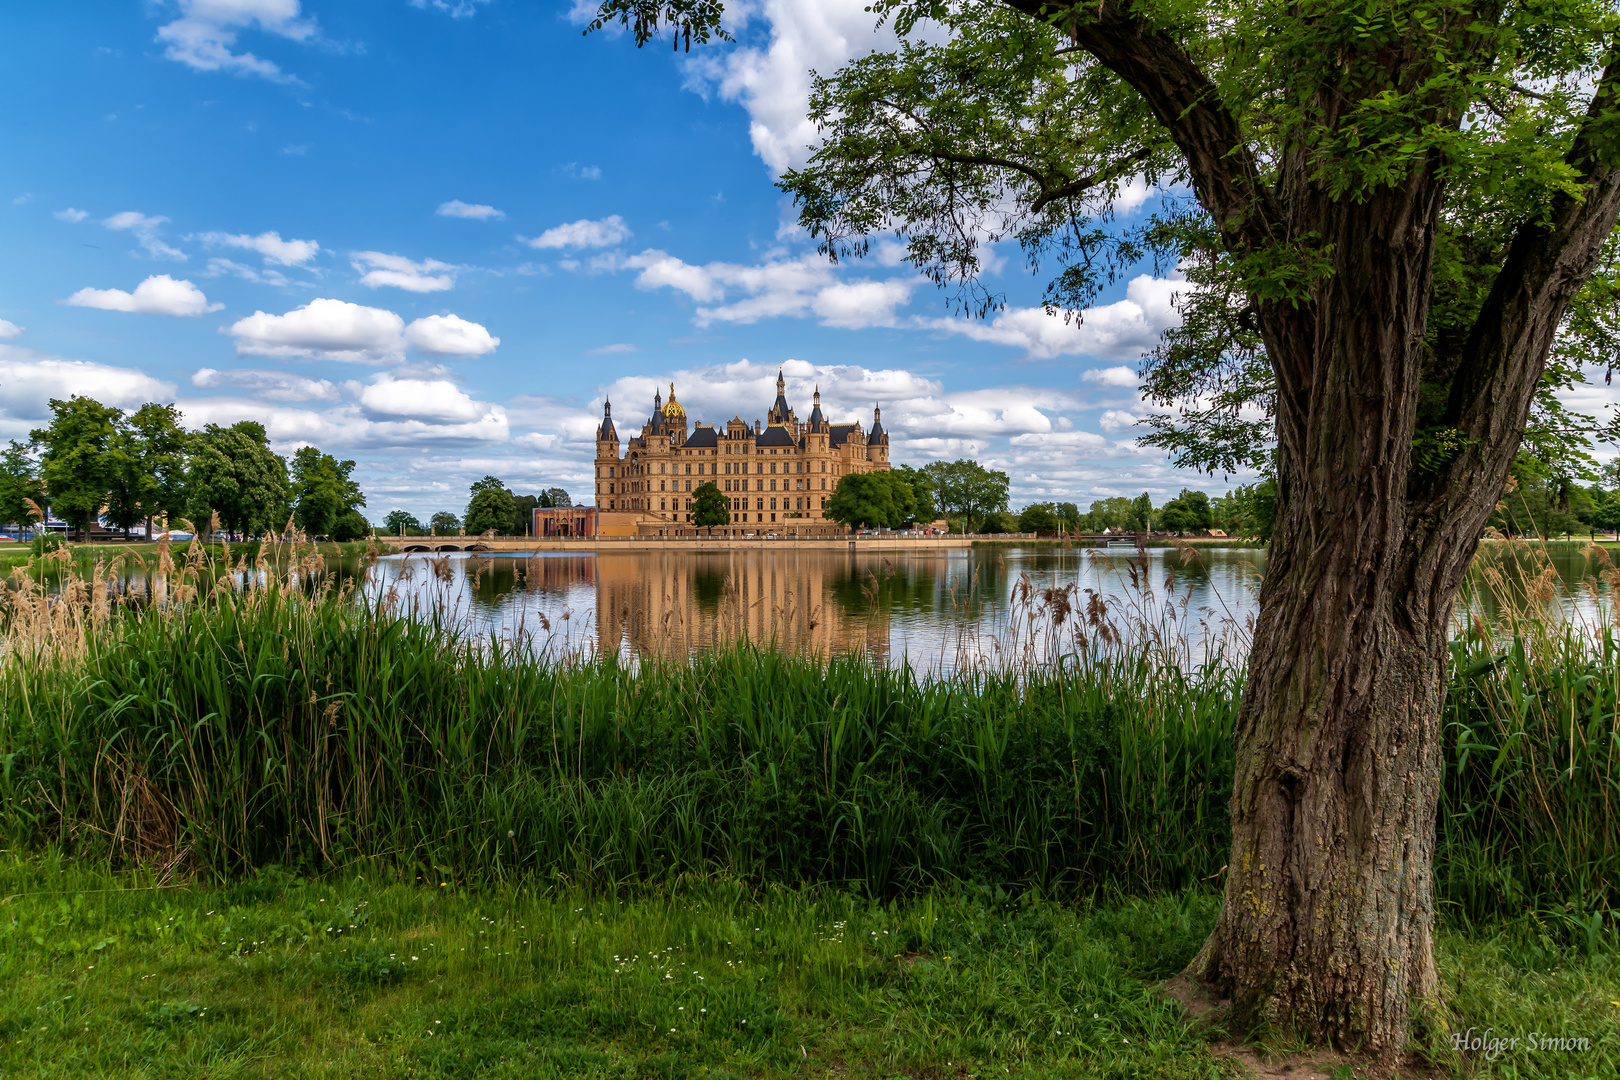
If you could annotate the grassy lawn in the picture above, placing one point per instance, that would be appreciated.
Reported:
(283, 977)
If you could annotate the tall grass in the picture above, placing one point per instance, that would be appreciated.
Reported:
(241, 718)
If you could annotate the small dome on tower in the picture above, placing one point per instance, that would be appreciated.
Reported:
(672, 408)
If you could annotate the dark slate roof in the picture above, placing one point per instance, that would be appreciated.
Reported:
(841, 433)
(702, 436)
(780, 408)
(606, 432)
(775, 435)
(816, 419)
(876, 433)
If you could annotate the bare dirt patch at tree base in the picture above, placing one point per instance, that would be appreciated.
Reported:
(1202, 1006)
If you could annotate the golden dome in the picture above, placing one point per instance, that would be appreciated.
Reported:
(672, 408)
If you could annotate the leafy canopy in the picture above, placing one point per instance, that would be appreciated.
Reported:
(710, 507)
(77, 463)
(1039, 123)
(232, 472)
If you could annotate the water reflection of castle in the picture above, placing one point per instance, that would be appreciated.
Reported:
(674, 604)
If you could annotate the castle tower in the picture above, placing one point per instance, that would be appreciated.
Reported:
(780, 413)
(674, 419)
(609, 486)
(877, 440)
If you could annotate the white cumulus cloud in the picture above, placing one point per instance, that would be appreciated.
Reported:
(1121, 330)
(9, 330)
(379, 270)
(450, 335)
(70, 215)
(476, 211)
(327, 329)
(269, 385)
(438, 400)
(32, 378)
(323, 329)
(159, 294)
(773, 82)
(204, 36)
(1112, 376)
(269, 244)
(802, 286)
(583, 233)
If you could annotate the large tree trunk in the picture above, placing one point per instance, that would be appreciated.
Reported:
(1328, 921)
(1327, 926)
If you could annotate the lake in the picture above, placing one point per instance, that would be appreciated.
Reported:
(937, 610)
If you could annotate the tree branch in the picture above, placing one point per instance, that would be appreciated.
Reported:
(1549, 258)
(1224, 172)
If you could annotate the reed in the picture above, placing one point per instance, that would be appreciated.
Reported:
(242, 716)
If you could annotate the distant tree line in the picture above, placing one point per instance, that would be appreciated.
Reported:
(94, 462)
(492, 506)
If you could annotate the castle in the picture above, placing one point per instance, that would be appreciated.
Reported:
(778, 473)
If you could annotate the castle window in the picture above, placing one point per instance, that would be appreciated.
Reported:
(759, 504)
(823, 483)
(660, 504)
(773, 464)
(689, 466)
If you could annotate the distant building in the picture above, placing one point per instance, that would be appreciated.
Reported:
(776, 475)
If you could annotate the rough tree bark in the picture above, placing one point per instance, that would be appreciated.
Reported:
(1329, 905)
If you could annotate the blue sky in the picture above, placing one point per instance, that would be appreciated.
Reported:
(432, 235)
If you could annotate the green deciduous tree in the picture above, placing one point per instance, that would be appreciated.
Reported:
(861, 499)
(1394, 212)
(19, 485)
(922, 491)
(1188, 512)
(232, 472)
(323, 492)
(77, 461)
(444, 523)
(491, 509)
(710, 507)
(1038, 518)
(149, 467)
(350, 525)
(969, 489)
(399, 522)
(1140, 515)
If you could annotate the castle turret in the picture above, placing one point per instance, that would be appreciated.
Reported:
(817, 421)
(780, 413)
(877, 440)
(609, 476)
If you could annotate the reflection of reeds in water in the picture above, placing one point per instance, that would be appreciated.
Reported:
(1065, 623)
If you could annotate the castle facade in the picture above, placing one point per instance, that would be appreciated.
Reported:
(777, 475)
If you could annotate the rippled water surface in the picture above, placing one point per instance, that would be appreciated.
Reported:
(934, 609)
